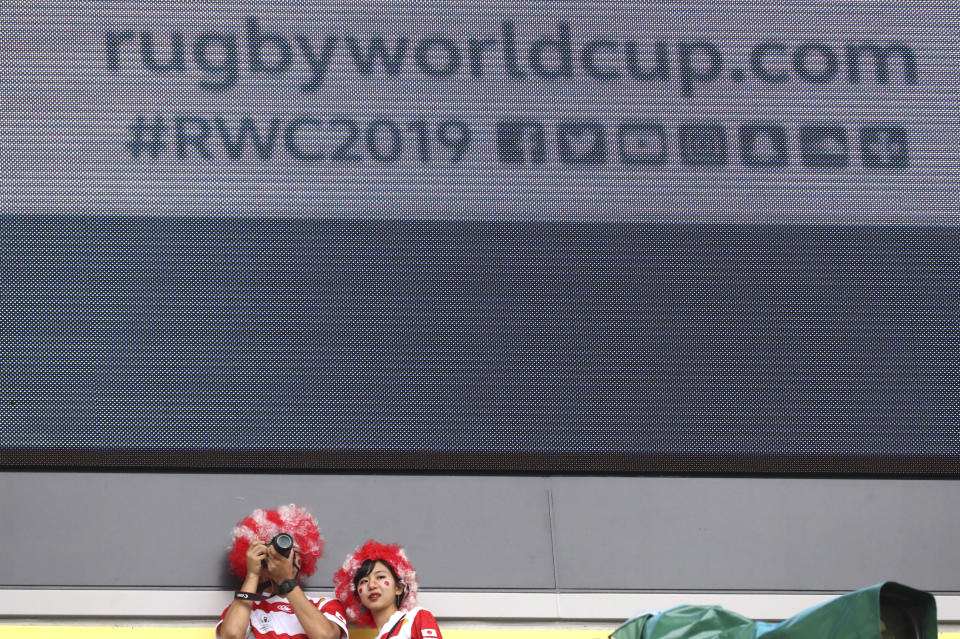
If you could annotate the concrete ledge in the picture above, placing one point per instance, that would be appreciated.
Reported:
(612, 607)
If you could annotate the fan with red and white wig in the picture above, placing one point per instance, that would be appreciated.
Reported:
(264, 525)
(392, 554)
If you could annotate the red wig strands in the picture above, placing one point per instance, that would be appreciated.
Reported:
(388, 553)
(264, 525)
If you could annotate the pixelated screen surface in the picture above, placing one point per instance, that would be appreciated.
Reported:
(521, 237)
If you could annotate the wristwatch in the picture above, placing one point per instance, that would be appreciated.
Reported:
(284, 587)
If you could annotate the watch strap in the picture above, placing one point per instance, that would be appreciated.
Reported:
(284, 587)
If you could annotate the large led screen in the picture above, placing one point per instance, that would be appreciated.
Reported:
(690, 237)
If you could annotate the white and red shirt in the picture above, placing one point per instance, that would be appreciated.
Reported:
(418, 623)
(274, 618)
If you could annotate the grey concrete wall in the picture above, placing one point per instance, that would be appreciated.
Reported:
(493, 533)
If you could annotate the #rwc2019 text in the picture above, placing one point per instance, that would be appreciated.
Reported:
(576, 142)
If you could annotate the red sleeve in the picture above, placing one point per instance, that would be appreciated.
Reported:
(425, 626)
(220, 620)
(333, 610)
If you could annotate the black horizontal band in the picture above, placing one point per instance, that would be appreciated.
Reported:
(248, 596)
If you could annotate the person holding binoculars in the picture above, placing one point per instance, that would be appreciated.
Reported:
(271, 550)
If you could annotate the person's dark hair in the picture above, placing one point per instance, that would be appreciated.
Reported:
(367, 567)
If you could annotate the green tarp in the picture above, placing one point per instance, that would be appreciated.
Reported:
(884, 611)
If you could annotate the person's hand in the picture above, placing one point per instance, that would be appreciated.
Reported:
(256, 554)
(281, 568)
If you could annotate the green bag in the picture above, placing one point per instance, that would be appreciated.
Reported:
(884, 611)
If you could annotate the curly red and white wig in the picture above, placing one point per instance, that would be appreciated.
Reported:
(392, 554)
(264, 525)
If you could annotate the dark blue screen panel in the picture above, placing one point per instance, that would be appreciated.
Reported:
(515, 236)
(479, 345)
